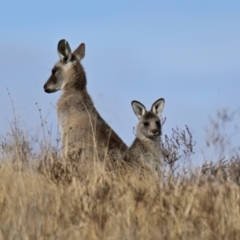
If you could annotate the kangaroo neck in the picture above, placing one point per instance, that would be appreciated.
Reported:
(75, 79)
(73, 91)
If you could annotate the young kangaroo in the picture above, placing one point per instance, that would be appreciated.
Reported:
(147, 144)
(82, 128)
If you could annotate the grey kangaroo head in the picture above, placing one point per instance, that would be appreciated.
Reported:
(67, 68)
(149, 125)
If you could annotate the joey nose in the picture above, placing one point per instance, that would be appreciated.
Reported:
(155, 131)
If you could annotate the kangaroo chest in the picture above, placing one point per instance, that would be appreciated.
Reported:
(75, 118)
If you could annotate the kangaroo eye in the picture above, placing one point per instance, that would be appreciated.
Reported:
(146, 124)
(158, 123)
(54, 71)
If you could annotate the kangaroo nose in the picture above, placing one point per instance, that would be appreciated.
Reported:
(46, 89)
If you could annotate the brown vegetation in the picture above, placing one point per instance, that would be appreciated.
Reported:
(45, 197)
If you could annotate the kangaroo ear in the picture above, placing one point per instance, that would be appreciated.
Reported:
(158, 106)
(64, 50)
(138, 109)
(80, 52)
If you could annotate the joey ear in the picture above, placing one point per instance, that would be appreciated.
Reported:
(80, 52)
(158, 106)
(139, 109)
(64, 50)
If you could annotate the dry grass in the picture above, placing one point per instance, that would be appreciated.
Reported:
(45, 197)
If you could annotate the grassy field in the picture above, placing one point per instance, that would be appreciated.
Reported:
(45, 197)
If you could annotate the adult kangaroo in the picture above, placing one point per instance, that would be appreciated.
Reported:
(82, 128)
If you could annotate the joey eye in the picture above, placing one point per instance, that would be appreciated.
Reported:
(146, 124)
(158, 123)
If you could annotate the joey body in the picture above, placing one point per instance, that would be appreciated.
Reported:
(147, 146)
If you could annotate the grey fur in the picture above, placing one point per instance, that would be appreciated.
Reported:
(147, 146)
(82, 128)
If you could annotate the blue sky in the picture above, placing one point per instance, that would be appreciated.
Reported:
(185, 51)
